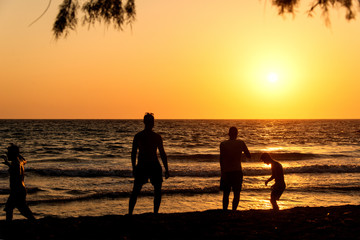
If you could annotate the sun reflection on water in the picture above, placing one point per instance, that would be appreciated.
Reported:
(272, 149)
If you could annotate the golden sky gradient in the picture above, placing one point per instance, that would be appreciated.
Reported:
(181, 60)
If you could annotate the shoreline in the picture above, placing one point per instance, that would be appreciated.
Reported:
(338, 222)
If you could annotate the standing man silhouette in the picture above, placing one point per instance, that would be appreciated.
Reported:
(231, 171)
(148, 165)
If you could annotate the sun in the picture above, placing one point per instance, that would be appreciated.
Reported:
(273, 77)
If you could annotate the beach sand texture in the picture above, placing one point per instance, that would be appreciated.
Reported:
(342, 222)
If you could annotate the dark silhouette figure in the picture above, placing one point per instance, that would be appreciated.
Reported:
(231, 171)
(17, 198)
(278, 174)
(148, 165)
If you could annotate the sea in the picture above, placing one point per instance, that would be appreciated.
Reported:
(83, 167)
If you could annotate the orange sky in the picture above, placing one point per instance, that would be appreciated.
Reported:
(181, 59)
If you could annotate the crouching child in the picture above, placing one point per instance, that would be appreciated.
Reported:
(278, 174)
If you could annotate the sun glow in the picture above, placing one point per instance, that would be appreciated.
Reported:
(273, 77)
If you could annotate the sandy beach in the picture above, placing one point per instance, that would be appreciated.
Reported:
(340, 222)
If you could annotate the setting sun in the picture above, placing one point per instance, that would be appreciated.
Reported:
(273, 77)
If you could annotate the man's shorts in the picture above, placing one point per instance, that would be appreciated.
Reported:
(277, 190)
(152, 172)
(17, 199)
(231, 180)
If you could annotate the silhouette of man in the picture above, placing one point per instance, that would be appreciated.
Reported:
(17, 198)
(231, 171)
(278, 174)
(148, 165)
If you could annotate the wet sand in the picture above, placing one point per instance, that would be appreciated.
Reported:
(341, 222)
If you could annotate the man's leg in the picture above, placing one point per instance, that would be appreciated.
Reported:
(157, 197)
(237, 185)
(9, 208)
(226, 193)
(274, 203)
(236, 199)
(136, 190)
(25, 211)
(9, 214)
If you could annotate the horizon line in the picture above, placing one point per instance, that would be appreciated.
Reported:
(180, 119)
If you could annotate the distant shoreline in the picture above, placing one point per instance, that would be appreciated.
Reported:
(338, 222)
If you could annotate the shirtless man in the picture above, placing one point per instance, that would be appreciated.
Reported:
(278, 174)
(148, 165)
(231, 171)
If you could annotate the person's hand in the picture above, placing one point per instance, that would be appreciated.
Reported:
(6, 162)
(167, 175)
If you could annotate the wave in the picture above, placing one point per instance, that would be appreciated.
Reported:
(80, 172)
(82, 149)
(255, 157)
(331, 189)
(29, 190)
(313, 169)
(61, 160)
(121, 194)
(194, 157)
(324, 169)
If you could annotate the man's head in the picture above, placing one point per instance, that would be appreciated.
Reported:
(233, 132)
(266, 158)
(13, 151)
(149, 120)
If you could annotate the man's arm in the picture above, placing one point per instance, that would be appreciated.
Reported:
(273, 173)
(133, 154)
(6, 162)
(221, 158)
(163, 158)
(267, 181)
(246, 151)
(22, 159)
